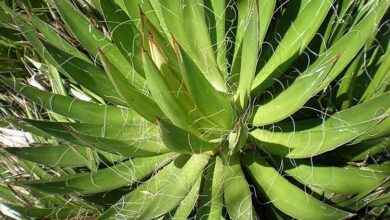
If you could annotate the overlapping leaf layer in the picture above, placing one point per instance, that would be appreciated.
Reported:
(194, 109)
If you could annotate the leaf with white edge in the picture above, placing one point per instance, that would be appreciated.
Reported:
(179, 140)
(341, 180)
(133, 8)
(358, 34)
(167, 93)
(84, 73)
(245, 59)
(129, 132)
(92, 39)
(381, 79)
(123, 174)
(54, 155)
(303, 88)
(130, 147)
(188, 203)
(237, 195)
(123, 32)
(150, 199)
(74, 108)
(285, 196)
(307, 138)
(380, 130)
(295, 40)
(192, 34)
(211, 201)
(214, 105)
(141, 103)
(364, 149)
(52, 213)
(215, 19)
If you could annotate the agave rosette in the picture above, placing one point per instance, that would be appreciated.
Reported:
(206, 109)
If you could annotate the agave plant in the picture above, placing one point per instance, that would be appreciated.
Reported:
(195, 109)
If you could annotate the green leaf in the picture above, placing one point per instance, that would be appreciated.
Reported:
(74, 108)
(164, 88)
(133, 131)
(188, 203)
(135, 99)
(24, 126)
(308, 138)
(248, 45)
(303, 88)
(125, 173)
(130, 147)
(359, 34)
(382, 199)
(237, 196)
(181, 141)
(192, 34)
(54, 155)
(266, 10)
(7, 195)
(360, 200)
(213, 104)
(54, 38)
(133, 7)
(92, 39)
(215, 20)
(84, 73)
(53, 213)
(150, 199)
(124, 32)
(342, 20)
(293, 43)
(156, 42)
(6, 20)
(380, 130)
(344, 96)
(29, 33)
(211, 201)
(364, 149)
(343, 180)
(285, 196)
(380, 79)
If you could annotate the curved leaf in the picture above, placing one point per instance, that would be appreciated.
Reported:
(74, 108)
(295, 40)
(167, 91)
(135, 99)
(54, 155)
(53, 213)
(188, 203)
(287, 197)
(150, 200)
(364, 149)
(181, 141)
(236, 191)
(342, 180)
(213, 104)
(84, 73)
(192, 34)
(103, 180)
(303, 89)
(308, 138)
(211, 199)
(130, 147)
(124, 32)
(92, 39)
